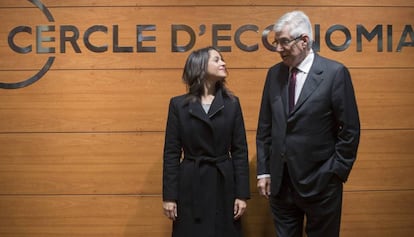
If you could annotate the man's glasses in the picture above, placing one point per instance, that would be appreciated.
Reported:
(284, 42)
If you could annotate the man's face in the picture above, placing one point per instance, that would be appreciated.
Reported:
(292, 50)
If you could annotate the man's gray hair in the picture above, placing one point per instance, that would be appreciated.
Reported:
(297, 23)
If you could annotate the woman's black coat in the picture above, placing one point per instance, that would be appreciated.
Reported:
(205, 165)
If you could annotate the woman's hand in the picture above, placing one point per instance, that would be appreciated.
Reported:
(239, 208)
(170, 209)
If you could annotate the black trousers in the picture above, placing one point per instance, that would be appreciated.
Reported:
(322, 212)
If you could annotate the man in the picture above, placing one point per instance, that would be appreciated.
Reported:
(306, 152)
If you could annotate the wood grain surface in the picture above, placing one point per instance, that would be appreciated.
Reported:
(81, 149)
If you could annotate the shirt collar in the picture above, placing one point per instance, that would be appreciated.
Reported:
(306, 64)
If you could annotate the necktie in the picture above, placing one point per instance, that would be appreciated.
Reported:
(292, 85)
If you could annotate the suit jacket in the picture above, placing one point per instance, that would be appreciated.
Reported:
(319, 138)
(215, 168)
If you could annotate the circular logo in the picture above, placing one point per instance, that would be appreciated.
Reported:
(46, 66)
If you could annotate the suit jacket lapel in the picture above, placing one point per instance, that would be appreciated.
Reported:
(284, 78)
(311, 83)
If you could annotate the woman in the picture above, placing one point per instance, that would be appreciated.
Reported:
(206, 171)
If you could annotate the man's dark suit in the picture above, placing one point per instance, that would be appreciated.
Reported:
(319, 138)
(310, 151)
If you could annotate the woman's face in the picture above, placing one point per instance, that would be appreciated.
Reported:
(216, 69)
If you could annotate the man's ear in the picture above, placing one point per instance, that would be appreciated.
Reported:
(305, 40)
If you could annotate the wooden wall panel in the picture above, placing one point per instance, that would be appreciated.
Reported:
(82, 215)
(168, 3)
(131, 163)
(81, 149)
(372, 213)
(366, 213)
(137, 100)
(385, 161)
(81, 163)
(262, 16)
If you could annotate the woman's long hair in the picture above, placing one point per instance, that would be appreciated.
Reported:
(195, 74)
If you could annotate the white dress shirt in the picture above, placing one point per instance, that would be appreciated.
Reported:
(302, 74)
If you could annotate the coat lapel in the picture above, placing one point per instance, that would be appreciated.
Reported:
(217, 105)
(197, 110)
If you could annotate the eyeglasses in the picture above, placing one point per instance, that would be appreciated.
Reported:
(285, 42)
